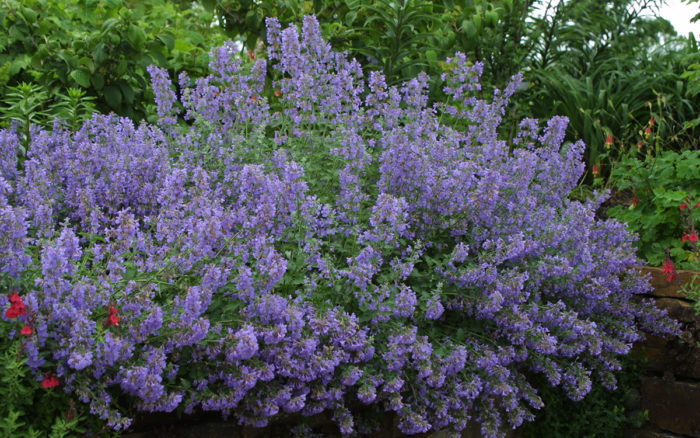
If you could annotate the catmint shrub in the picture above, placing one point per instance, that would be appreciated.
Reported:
(337, 246)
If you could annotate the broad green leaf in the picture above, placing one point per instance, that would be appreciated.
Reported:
(82, 77)
(109, 24)
(168, 40)
(126, 91)
(113, 97)
(98, 81)
(136, 37)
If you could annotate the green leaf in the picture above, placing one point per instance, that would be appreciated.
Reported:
(17, 33)
(194, 37)
(19, 64)
(82, 77)
(113, 97)
(168, 40)
(113, 3)
(98, 81)
(99, 54)
(126, 91)
(121, 68)
(29, 15)
(109, 24)
(136, 37)
(183, 46)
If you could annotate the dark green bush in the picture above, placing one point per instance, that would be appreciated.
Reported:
(101, 47)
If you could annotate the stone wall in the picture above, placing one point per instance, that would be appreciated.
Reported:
(670, 392)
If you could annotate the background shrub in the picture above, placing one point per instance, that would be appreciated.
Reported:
(101, 47)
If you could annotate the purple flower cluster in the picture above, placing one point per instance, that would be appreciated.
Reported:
(341, 242)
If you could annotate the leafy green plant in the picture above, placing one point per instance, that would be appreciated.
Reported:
(27, 104)
(665, 188)
(395, 35)
(102, 47)
(605, 69)
(74, 107)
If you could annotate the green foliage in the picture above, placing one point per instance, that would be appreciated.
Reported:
(602, 66)
(499, 33)
(27, 104)
(602, 414)
(661, 184)
(101, 47)
(396, 36)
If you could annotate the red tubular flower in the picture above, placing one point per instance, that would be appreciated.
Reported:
(648, 130)
(634, 201)
(596, 170)
(112, 319)
(14, 312)
(669, 270)
(17, 307)
(278, 92)
(50, 381)
(652, 121)
(608, 141)
(697, 205)
(251, 55)
(683, 206)
(26, 330)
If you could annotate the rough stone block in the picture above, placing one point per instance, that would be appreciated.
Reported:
(663, 288)
(641, 433)
(673, 406)
(680, 310)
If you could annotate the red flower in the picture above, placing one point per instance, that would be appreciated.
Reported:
(50, 381)
(640, 144)
(652, 121)
(596, 170)
(669, 270)
(697, 205)
(693, 237)
(26, 330)
(113, 319)
(608, 141)
(683, 206)
(17, 307)
(635, 201)
(251, 55)
(648, 130)
(278, 92)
